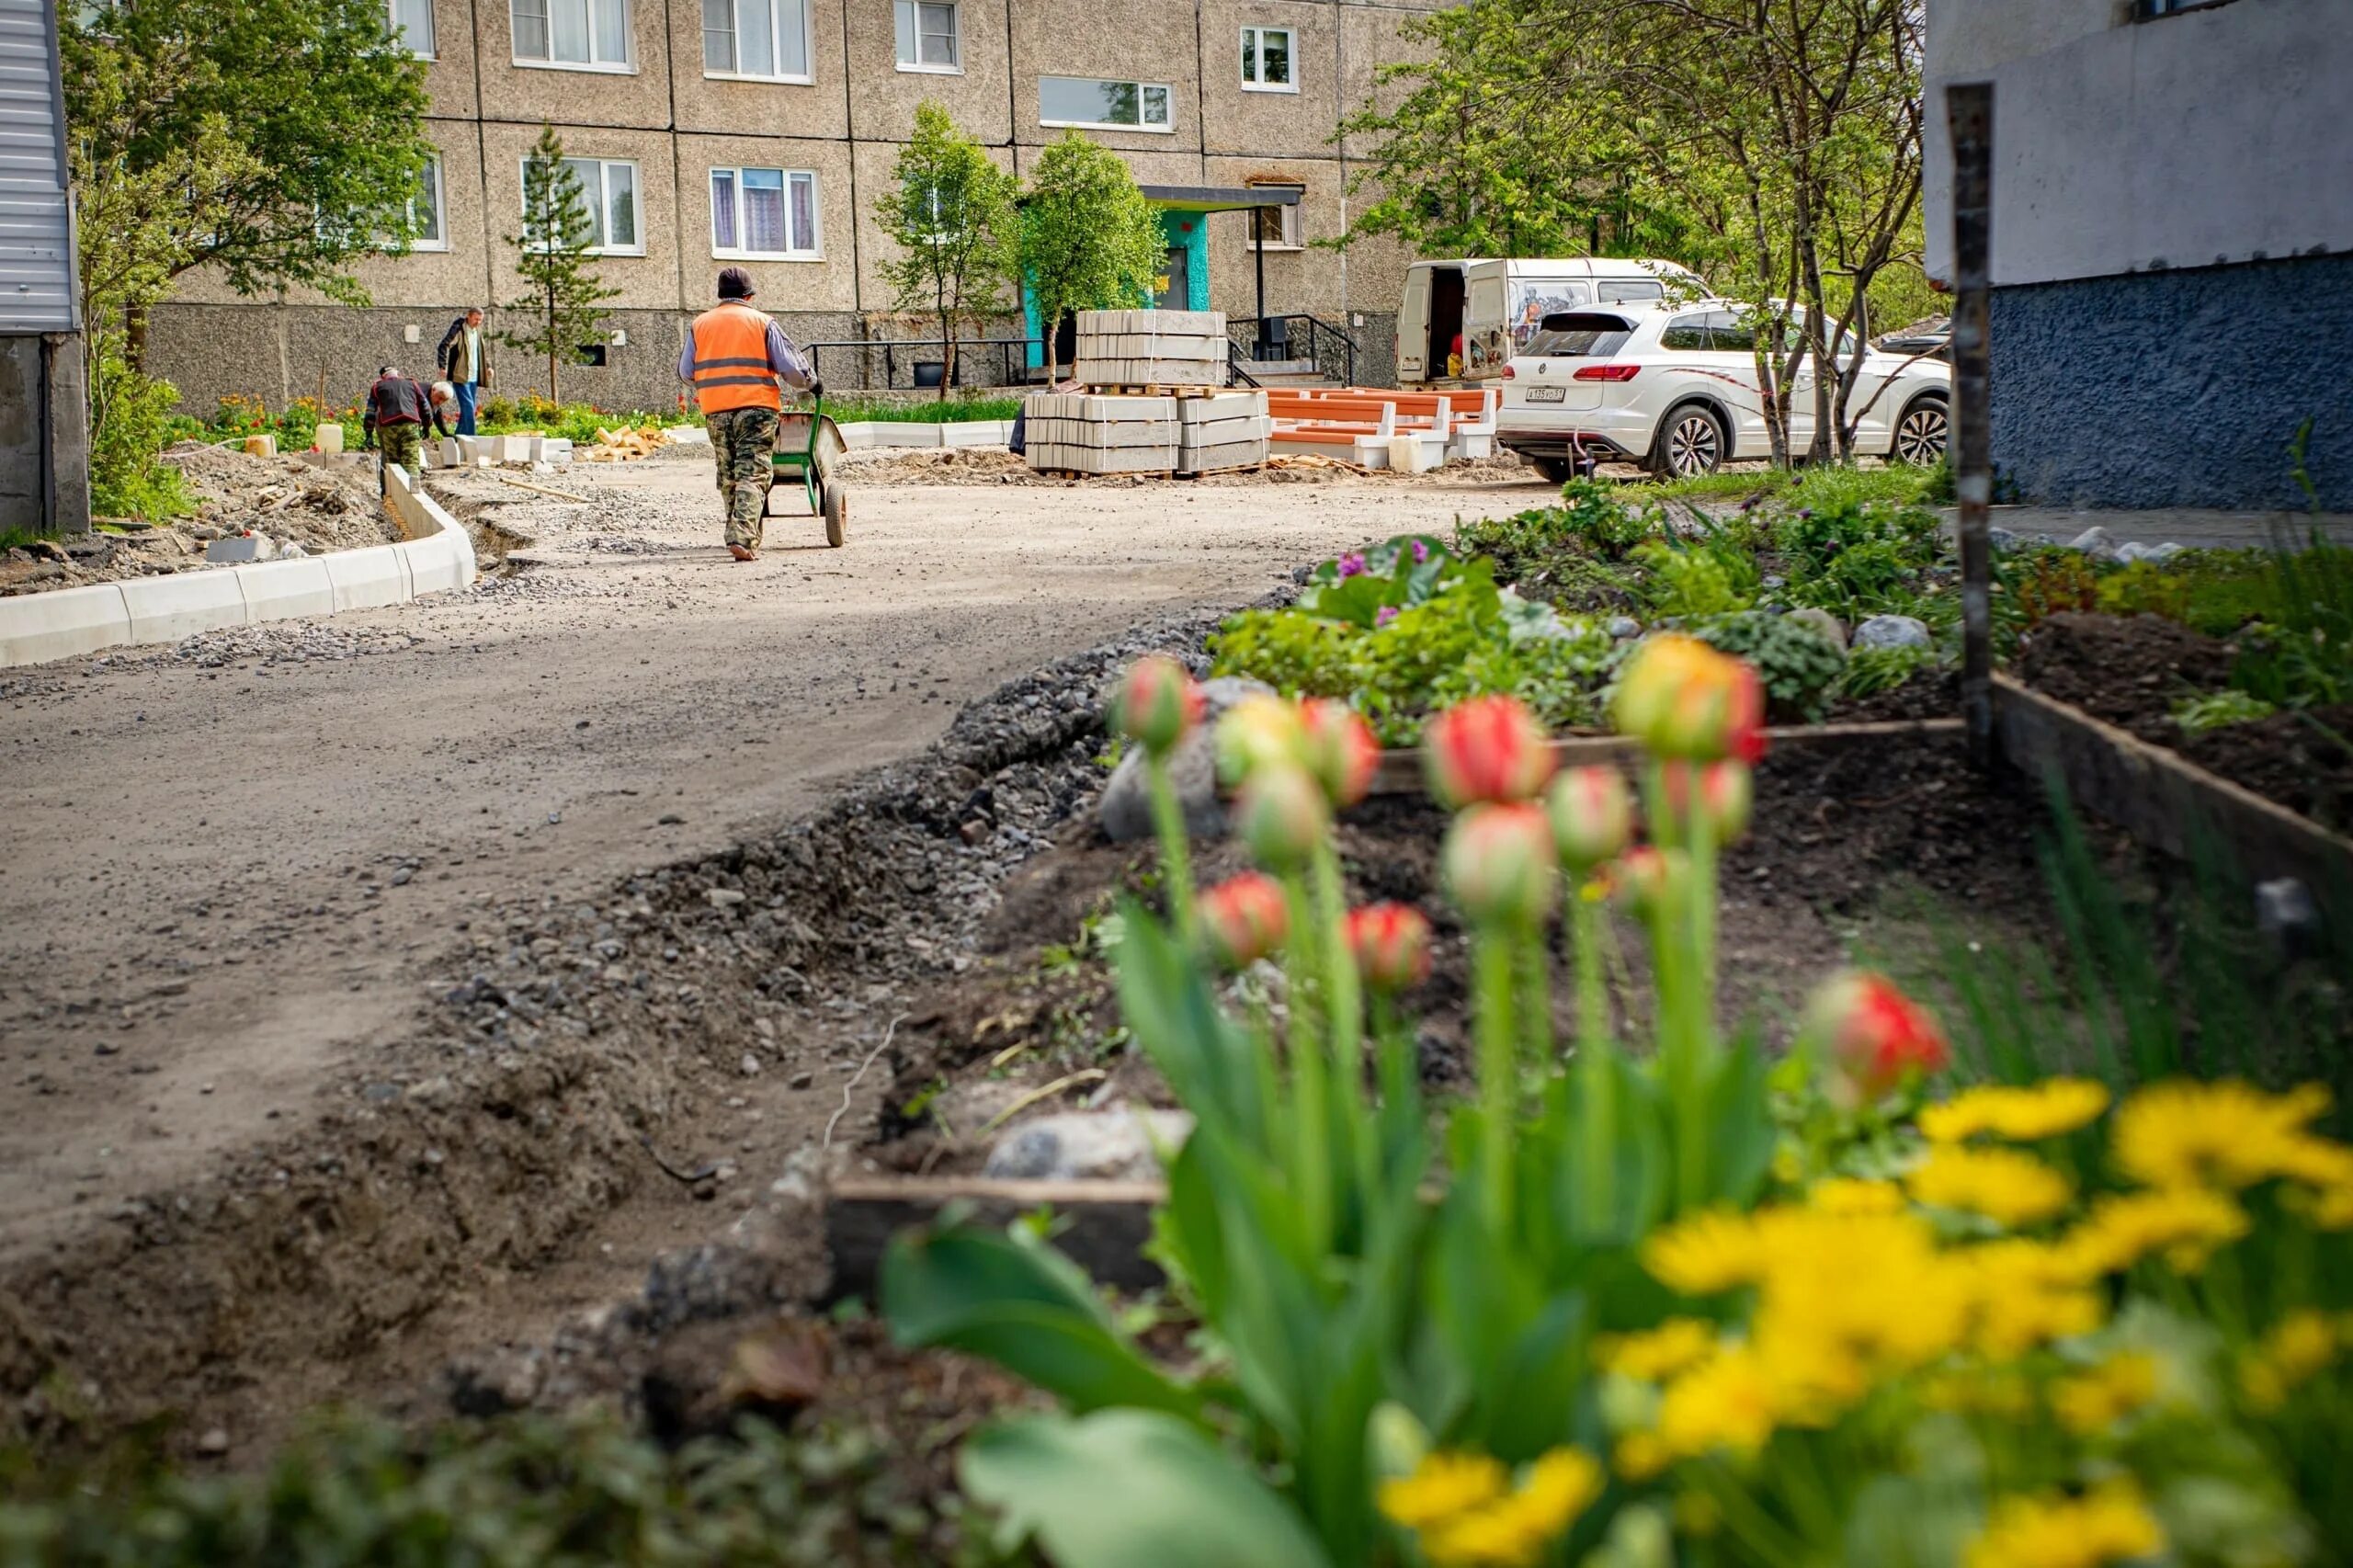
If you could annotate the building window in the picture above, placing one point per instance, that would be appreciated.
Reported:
(427, 224)
(1091, 105)
(1266, 61)
(411, 21)
(574, 35)
(1277, 228)
(764, 214)
(928, 36)
(608, 189)
(765, 40)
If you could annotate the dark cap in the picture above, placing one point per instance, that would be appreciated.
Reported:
(734, 283)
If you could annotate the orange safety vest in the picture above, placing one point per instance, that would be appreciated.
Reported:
(732, 368)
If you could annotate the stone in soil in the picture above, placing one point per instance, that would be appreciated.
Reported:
(1126, 807)
(1106, 1145)
(1893, 631)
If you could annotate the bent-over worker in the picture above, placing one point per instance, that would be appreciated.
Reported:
(739, 362)
(396, 417)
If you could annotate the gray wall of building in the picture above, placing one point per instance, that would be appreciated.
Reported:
(2177, 389)
(44, 445)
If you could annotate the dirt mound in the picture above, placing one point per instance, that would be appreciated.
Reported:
(941, 465)
(2130, 671)
(320, 508)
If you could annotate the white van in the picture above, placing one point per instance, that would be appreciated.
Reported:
(1495, 306)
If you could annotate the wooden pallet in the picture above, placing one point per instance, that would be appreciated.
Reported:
(1114, 474)
(1152, 389)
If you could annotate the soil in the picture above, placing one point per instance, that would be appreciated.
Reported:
(2131, 671)
(322, 509)
(981, 465)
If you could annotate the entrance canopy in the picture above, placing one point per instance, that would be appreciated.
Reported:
(1221, 197)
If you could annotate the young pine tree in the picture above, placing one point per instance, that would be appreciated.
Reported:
(952, 215)
(562, 304)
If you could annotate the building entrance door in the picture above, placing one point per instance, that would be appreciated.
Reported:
(1178, 294)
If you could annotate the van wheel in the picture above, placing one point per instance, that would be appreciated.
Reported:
(1691, 439)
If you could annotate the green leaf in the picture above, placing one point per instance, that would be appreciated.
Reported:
(1128, 1488)
(1012, 1299)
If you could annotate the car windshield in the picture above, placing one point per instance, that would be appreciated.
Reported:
(1579, 334)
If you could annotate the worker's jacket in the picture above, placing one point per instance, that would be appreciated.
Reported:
(395, 400)
(732, 368)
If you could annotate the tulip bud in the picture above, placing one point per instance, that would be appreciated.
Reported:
(1652, 880)
(1500, 863)
(1489, 748)
(1391, 944)
(1156, 703)
(1244, 919)
(1258, 731)
(1592, 816)
(1725, 794)
(1873, 1038)
(1340, 749)
(1682, 699)
(1281, 815)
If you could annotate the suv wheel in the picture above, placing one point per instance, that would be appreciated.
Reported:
(1921, 434)
(1690, 440)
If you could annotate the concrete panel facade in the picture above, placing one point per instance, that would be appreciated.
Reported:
(665, 113)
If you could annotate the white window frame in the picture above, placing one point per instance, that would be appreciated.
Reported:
(440, 207)
(432, 25)
(602, 198)
(1251, 36)
(1141, 126)
(808, 45)
(816, 248)
(626, 66)
(913, 11)
(1293, 228)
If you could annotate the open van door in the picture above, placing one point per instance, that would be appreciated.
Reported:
(1414, 325)
(1486, 324)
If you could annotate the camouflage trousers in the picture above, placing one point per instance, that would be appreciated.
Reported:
(742, 440)
(402, 445)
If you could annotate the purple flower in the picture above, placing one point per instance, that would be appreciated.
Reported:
(1421, 551)
(1350, 566)
(1384, 615)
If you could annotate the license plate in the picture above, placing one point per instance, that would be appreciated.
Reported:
(1547, 394)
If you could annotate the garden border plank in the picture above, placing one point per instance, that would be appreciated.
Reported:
(1400, 770)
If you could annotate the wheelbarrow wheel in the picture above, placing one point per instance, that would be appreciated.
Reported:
(836, 511)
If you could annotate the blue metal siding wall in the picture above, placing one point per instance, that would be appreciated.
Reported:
(37, 284)
(2177, 389)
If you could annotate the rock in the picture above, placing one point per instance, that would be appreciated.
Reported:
(214, 1442)
(1125, 809)
(240, 549)
(1624, 626)
(2287, 916)
(1115, 1146)
(749, 1066)
(2001, 540)
(801, 1079)
(1891, 632)
(1822, 620)
(711, 1281)
(2160, 553)
(492, 1382)
(2091, 539)
(723, 898)
(290, 550)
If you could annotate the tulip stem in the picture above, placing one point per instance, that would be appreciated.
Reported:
(1343, 1010)
(1492, 949)
(1596, 1067)
(1311, 1091)
(1176, 863)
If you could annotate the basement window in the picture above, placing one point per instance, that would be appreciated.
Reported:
(411, 21)
(1266, 61)
(930, 38)
(761, 40)
(1086, 104)
(608, 189)
(763, 215)
(573, 35)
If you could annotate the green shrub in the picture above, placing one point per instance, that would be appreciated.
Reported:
(497, 410)
(1296, 654)
(1690, 580)
(1870, 671)
(2196, 715)
(1797, 663)
(130, 422)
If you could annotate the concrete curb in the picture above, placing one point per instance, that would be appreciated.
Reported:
(864, 433)
(437, 555)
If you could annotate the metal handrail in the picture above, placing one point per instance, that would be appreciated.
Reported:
(891, 347)
(1330, 346)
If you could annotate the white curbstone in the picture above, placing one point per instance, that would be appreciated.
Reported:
(164, 609)
(63, 623)
(281, 589)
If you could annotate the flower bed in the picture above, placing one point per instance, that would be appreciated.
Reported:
(1668, 1302)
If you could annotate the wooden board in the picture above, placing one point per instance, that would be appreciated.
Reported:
(1102, 1225)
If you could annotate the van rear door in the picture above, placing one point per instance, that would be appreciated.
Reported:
(1413, 326)
(1486, 307)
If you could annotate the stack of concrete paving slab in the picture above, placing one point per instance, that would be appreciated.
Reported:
(1226, 430)
(1165, 350)
(1083, 433)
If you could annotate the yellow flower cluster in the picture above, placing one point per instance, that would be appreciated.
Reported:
(1467, 1514)
(2298, 1347)
(2108, 1525)
(2095, 1399)
(2184, 1223)
(2018, 1115)
(2227, 1134)
(2004, 1185)
(1656, 1353)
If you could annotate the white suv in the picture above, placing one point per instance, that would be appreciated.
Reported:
(1675, 388)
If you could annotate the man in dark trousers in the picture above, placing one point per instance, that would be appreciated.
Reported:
(395, 418)
(739, 362)
(464, 358)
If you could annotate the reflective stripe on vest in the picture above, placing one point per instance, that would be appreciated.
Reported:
(732, 368)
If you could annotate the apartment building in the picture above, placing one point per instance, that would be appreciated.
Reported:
(760, 132)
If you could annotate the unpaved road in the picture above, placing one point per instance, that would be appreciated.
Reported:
(224, 866)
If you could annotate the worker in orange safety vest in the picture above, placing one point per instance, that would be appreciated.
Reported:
(739, 362)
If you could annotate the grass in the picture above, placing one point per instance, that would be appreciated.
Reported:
(953, 411)
(18, 539)
(1830, 485)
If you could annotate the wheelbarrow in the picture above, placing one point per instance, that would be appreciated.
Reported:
(809, 449)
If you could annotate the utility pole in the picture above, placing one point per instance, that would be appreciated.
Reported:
(1969, 115)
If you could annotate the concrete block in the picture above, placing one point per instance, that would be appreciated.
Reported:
(516, 448)
(236, 549)
(365, 579)
(975, 432)
(906, 433)
(688, 436)
(556, 451)
(164, 609)
(58, 625)
(434, 566)
(453, 450)
(471, 450)
(277, 589)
